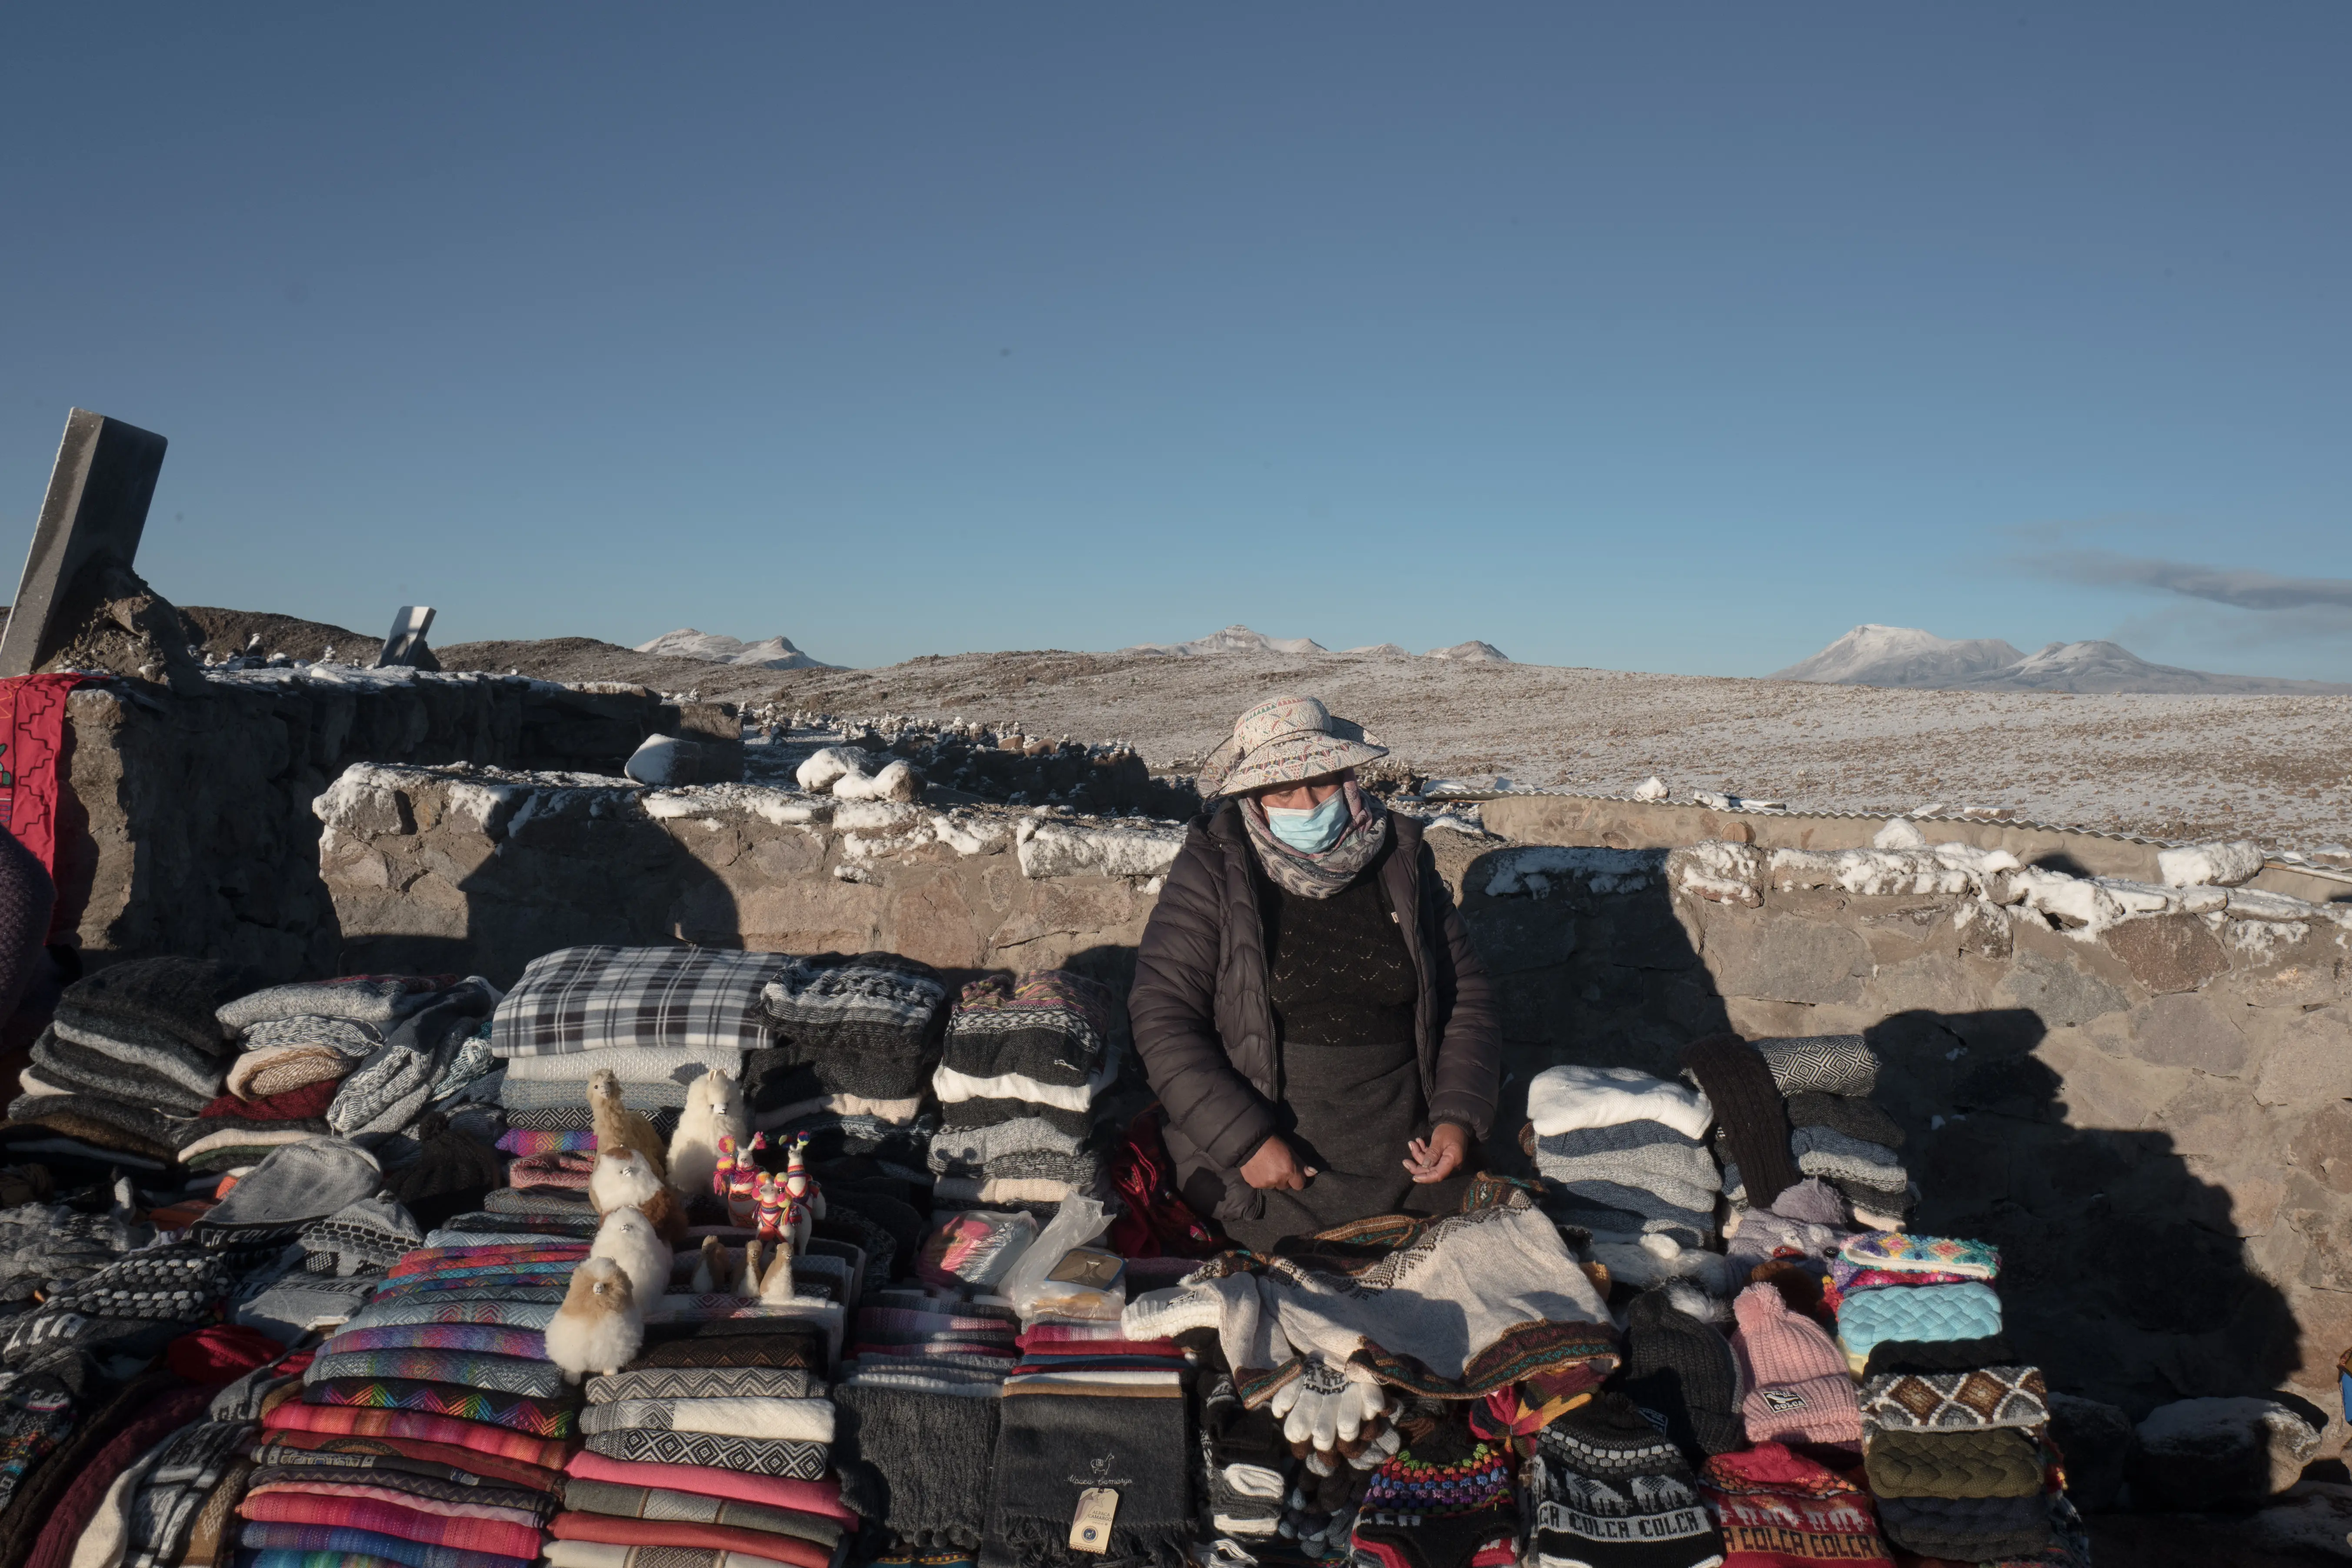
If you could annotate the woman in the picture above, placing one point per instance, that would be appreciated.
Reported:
(1306, 1005)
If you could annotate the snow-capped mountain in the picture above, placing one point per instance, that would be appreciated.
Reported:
(1471, 652)
(1902, 655)
(713, 647)
(1241, 639)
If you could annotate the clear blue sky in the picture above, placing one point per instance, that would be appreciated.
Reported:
(1673, 338)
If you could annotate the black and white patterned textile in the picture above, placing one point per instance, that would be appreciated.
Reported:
(754, 1456)
(705, 1382)
(1820, 1064)
(593, 998)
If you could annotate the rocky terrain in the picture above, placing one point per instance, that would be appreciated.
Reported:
(2275, 768)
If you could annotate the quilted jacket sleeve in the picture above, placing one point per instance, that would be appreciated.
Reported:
(1173, 1011)
(1469, 1073)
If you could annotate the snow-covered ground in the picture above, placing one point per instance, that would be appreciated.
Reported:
(2278, 769)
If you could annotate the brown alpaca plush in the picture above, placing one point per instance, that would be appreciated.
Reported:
(619, 1127)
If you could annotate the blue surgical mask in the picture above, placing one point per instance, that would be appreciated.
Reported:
(1312, 831)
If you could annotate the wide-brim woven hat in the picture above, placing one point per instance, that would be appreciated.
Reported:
(1282, 741)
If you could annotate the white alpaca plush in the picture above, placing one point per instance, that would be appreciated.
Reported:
(622, 1180)
(600, 1325)
(628, 1237)
(714, 1108)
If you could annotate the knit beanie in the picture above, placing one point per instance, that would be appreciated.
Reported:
(294, 1184)
(1779, 1509)
(1798, 1389)
(1679, 1369)
(450, 1174)
(1614, 1493)
(1749, 1108)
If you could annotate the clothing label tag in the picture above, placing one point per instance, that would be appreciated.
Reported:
(1090, 1530)
(1782, 1400)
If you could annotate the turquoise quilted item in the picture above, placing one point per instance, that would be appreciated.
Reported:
(1919, 1313)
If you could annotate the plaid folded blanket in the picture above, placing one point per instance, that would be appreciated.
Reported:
(516, 1412)
(541, 1379)
(758, 1455)
(587, 998)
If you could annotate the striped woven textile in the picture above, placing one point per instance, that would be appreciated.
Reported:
(516, 1412)
(616, 1531)
(296, 1415)
(487, 1339)
(325, 1546)
(364, 1453)
(541, 1379)
(379, 1489)
(390, 1519)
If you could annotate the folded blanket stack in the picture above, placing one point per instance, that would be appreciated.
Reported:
(658, 1017)
(1831, 1129)
(1020, 1074)
(132, 1059)
(1622, 1155)
(853, 1037)
(1953, 1425)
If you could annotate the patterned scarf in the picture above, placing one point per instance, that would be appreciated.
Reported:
(1320, 876)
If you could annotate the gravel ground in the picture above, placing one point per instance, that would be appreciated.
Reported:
(2277, 768)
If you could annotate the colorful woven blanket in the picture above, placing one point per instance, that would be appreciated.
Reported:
(516, 1412)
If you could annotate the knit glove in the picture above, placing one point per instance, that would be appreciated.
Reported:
(1325, 1406)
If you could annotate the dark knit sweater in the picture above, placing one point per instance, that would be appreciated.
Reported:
(1340, 974)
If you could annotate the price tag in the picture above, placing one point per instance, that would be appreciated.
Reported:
(1090, 1528)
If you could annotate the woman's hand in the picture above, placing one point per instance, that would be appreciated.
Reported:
(1437, 1156)
(1274, 1165)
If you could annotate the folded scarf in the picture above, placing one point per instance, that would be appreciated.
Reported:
(346, 1450)
(1755, 1121)
(580, 1119)
(1853, 1277)
(302, 1416)
(1820, 1064)
(962, 1150)
(444, 1309)
(618, 1500)
(260, 1135)
(917, 1461)
(518, 1249)
(821, 1498)
(1982, 1396)
(606, 1529)
(329, 1546)
(704, 1382)
(1050, 1448)
(1976, 1530)
(572, 1093)
(497, 1373)
(1988, 1462)
(158, 999)
(630, 1064)
(568, 1168)
(793, 1348)
(793, 1420)
(384, 1093)
(1939, 1253)
(580, 999)
(758, 1455)
(411, 1488)
(508, 1540)
(1003, 1192)
(377, 1000)
(569, 1202)
(347, 1039)
(1851, 1115)
(307, 1103)
(519, 1412)
(1082, 1171)
(1922, 1312)
(523, 1141)
(75, 1067)
(1684, 1178)
(952, 1086)
(1568, 1098)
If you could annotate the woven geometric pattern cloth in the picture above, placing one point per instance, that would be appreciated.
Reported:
(1899, 1253)
(1921, 1312)
(1990, 1462)
(588, 998)
(516, 1412)
(791, 1420)
(705, 1382)
(174, 1284)
(504, 1375)
(349, 1421)
(1987, 1396)
(1820, 1064)
(759, 1456)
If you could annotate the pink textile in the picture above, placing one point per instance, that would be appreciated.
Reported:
(775, 1492)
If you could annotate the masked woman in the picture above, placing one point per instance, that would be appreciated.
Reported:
(1307, 1005)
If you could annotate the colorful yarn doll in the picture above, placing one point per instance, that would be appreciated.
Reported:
(771, 1207)
(800, 1184)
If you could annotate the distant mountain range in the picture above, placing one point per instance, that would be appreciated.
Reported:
(1239, 639)
(1904, 657)
(712, 648)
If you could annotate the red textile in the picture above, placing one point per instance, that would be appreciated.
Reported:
(1154, 1221)
(75, 1508)
(489, 1467)
(220, 1354)
(706, 1481)
(441, 1259)
(32, 737)
(612, 1529)
(295, 1415)
(385, 1519)
(309, 1102)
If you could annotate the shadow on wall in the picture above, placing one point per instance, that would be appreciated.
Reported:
(2122, 1274)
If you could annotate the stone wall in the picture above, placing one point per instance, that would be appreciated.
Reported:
(2141, 1092)
(186, 826)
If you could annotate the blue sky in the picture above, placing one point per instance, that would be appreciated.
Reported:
(1661, 338)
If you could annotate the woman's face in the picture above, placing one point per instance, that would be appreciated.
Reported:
(1304, 796)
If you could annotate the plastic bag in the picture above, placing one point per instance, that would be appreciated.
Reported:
(976, 1248)
(1080, 1221)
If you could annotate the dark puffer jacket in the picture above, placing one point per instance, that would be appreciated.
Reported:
(1205, 1028)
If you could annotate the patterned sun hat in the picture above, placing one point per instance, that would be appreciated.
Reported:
(1282, 741)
